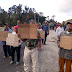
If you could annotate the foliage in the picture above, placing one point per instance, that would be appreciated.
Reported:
(17, 13)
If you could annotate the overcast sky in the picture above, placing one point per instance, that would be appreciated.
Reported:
(62, 9)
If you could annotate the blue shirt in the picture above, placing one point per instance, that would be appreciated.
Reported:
(45, 28)
(4, 42)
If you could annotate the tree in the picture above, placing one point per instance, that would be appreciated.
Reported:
(17, 13)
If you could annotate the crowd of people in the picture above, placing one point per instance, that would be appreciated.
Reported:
(33, 45)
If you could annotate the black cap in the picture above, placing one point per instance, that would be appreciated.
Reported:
(69, 23)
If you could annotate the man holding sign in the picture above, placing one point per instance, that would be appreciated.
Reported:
(65, 54)
(31, 52)
(5, 47)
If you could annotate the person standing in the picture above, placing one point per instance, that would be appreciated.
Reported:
(18, 22)
(6, 48)
(10, 27)
(65, 56)
(50, 26)
(45, 27)
(59, 30)
(31, 52)
(17, 49)
(53, 26)
(39, 27)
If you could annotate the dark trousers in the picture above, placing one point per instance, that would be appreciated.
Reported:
(44, 40)
(6, 50)
(17, 49)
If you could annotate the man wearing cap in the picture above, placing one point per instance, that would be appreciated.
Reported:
(65, 56)
(31, 52)
(5, 47)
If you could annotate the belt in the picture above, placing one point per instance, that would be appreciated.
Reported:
(30, 48)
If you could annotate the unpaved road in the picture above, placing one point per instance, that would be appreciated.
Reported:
(48, 57)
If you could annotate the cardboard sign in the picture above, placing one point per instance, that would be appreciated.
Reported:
(42, 34)
(3, 35)
(12, 40)
(66, 42)
(27, 31)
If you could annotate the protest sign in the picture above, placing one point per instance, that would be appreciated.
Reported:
(3, 35)
(66, 42)
(27, 31)
(42, 34)
(12, 40)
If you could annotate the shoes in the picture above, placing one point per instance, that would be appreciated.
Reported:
(17, 63)
(12, 62)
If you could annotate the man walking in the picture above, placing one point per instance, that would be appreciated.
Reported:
(45, 28)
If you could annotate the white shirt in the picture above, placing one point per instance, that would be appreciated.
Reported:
(59, 30)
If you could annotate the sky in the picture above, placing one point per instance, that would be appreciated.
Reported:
(62, 9)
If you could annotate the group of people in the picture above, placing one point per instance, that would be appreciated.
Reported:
(31, 46)
(9, 51)
(52, 26)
